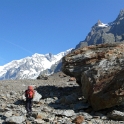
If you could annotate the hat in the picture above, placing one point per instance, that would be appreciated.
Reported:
(30, 87)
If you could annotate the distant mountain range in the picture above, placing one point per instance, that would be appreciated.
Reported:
(31, 67)
(38, 64)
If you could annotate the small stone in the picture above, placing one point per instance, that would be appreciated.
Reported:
(15, 119)
(104, 117)
(79, 119)
(8, 114)
(39, 121)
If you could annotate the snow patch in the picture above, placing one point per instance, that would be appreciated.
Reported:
(103, 25)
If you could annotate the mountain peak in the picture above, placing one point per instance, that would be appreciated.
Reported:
(121, 14)
(99, 22)
(37, 54)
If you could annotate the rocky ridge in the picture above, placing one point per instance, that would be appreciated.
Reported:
(60, 102)
(105, 33)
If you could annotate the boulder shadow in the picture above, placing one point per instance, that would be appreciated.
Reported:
(60, 97)
(55, 91)
(19, 102)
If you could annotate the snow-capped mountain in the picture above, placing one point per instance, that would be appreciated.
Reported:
(30, 67)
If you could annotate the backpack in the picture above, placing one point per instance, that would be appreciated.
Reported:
(29, 93)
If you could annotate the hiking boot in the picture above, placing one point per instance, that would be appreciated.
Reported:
(30, 113)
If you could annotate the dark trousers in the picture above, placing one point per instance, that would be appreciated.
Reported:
(29, 103)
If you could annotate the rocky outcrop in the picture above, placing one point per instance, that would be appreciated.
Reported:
(42, 77)
(99, 70)
(105, 33)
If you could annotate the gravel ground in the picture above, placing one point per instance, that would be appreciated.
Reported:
(61, 102)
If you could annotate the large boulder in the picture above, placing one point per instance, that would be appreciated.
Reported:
(99, 70)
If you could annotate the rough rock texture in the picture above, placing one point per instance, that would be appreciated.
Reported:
(99, 70)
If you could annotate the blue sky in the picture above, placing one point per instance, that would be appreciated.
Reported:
(49, 26)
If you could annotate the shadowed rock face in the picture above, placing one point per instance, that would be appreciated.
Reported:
(99, 70)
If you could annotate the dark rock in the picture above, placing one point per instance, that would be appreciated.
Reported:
(42, 77)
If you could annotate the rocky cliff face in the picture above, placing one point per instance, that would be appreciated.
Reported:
(105, 33)
(99, 70)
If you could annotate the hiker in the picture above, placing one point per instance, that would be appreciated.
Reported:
(29, 94)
